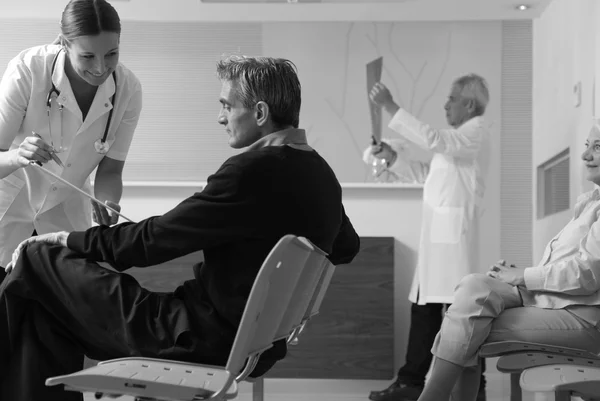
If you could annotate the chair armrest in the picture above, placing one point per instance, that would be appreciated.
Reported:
(293, 338)
(557, 377)
(583, 389)
(499, 348)
(251, 363)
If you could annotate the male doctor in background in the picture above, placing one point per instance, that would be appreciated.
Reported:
(452, 198)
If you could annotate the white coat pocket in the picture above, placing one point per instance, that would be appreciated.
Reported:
(446, 225)
(9, 189)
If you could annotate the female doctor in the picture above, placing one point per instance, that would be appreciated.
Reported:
(70, 107)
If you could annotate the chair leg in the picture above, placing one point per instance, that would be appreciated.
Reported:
(258, 389)
(516, 394)
(562, 396)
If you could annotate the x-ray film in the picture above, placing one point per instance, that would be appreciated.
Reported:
(374, 69)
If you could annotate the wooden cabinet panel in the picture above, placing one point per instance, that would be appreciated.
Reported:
(353, 336)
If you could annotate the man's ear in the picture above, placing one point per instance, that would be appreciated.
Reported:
(262, 113)
(471, 106)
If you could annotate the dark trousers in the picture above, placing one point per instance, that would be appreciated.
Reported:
(57, 307)
(425, 323)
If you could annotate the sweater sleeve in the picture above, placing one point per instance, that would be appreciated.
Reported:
(203, 220)
(346, 244)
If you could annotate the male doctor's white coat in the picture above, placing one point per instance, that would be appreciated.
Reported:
(452, 203)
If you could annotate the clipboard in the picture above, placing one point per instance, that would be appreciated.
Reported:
(374, 69)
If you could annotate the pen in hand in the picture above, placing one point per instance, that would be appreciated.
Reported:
(52, 151)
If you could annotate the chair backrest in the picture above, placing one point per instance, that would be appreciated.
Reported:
(315, 303)
(306, 288)
(269, 299)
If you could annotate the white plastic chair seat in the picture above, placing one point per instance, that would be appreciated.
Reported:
(500, 348)
(551, 378)
(516, 363)
(155, 379)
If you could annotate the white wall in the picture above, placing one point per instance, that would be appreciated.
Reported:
(564, 52)
(331, 59)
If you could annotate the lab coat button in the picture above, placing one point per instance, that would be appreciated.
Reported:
(64, 98)
(105, 104)
(69, 165)
(54, 188)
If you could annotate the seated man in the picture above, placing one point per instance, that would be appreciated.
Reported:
(556, 302)
(58, 304)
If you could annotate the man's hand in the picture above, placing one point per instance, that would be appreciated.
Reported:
(59, 238)
(103, 216)
(509, 274)
(381, 96)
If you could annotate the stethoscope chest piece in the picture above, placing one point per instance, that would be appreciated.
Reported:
(101, 146)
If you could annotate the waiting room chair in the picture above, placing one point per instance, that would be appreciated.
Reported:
(309, 305)
(518, 356)
(266, 318)
(565, 381)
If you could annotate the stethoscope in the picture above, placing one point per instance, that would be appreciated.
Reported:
(100, 145)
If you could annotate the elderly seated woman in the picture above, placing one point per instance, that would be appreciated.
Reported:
(556, 302)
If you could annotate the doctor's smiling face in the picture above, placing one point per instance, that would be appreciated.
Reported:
(239, 121)
(89, 33)
(591, 155)
(93, 58)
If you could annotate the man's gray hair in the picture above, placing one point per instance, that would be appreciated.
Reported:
(271, 80)
(474, 87)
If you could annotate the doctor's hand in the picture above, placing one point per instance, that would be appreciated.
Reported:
(384, 151)
(381, 96)
(509, 274)
(33, 148)
(103, 216)
(58, 238)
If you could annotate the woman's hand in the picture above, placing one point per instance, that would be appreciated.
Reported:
(500, 263)
(103, 216)
(33, 148)
(59, 238)
(509, 274)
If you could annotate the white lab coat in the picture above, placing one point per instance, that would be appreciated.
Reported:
(29, 198)
(452, 203)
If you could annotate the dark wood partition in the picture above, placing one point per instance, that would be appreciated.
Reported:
(353, 336)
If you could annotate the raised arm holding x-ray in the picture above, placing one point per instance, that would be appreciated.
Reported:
(405, 159)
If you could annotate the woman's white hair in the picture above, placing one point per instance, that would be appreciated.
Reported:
(474, 87)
